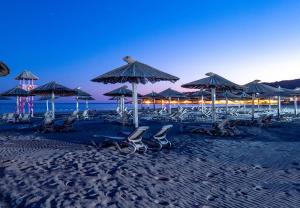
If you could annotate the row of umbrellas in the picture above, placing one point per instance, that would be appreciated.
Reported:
(49, 91)
(136, 72)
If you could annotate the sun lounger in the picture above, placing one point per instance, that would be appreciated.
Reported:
(85, 115)
(25, 118)
(223, 128)
(11, 118)
(161, 136)
(133, 140)
(68, 124)
(47, 125)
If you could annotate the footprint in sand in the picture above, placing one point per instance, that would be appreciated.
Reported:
(91, 194)
(211, 197)
(210, 175)
(258, 187)
(161, 178)
(51, 184)
(161, 202)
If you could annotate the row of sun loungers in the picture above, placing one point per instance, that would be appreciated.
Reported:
(134, 141)
(16, 118)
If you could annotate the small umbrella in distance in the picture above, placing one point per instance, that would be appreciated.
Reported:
(169, 94)
(53, 89)
(16, 92)
(213, 82)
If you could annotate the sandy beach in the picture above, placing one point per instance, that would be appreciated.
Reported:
(259, 169)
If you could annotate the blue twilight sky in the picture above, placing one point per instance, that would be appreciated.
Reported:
(73, 41)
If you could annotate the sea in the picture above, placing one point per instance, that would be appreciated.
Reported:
(40, 107)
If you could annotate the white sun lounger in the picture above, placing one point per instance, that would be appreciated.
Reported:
(161, 136)
(134, 139)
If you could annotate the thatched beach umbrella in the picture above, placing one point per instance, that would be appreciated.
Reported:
(243, 96)
(121, 93)
(16, 92)
(80, 93)
(87, 99)
(135, 73)
(256, 88)
(4, 70)
(283, 92)
(46, 98)
(26, 75)
(213, 82)
(227, 96)
(169, 94)
(53, 88)
(153, 95)
(201, 94)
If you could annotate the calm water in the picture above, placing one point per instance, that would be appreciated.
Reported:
(40, 107)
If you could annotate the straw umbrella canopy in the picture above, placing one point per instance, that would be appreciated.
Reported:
(53, 88)
(121, 91)
(4, 70)
(46, 98)
(87, 99)
(213, 82)
(135, 73)
(256, 88)
(26, 75)
(16, 92)
(80, 93)
(154, 95)
(169, 94)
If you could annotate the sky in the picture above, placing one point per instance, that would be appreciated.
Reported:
(73, 41)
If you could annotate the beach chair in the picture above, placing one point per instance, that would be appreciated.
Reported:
(25, 118)
(68, 124)
(47, 125)
(11, 118)
(48, 114)
(4, 117)
(161, 137)
(133, 140)
(85, 115)
(75, 114)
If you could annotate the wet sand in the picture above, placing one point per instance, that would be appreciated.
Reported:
(259, 169)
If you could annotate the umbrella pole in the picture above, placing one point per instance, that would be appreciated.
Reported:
(153, 103)
(295, 105)
(162, 104)
(86, 104)
(77, 104)
(269, 103)
(252, 107)
(135, 105)
(226, 105)
(257, 103)
(122, 105)
(202, 104)
(178, 102)
(47, 105)
(170, 110)
(213, 107)
(279, 106)
(17, 104)
(53, 105)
